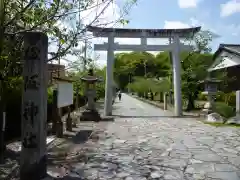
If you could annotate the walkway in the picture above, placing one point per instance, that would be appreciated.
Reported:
(146, 143)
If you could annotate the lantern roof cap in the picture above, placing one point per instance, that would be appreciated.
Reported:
(89, 78)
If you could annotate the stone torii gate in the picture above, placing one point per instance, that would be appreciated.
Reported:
(174, 47)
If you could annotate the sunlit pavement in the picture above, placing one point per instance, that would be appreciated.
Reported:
(145, 142)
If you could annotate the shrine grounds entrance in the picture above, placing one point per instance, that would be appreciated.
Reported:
(174, 47)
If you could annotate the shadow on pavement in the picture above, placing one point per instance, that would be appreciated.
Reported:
(184, 116)
(64, 178)
(82, 136)
(78, 138)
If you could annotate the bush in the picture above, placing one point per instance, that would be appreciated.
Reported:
(100, 91)
(220, 96)
(223, 109)
(143, 85)
(202, 97)
(227, 98)
(230, 99)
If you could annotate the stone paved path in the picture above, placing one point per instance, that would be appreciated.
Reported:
(145, 143)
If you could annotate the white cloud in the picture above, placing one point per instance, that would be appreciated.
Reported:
(111, 14)
(107, 14)
(230, 7)
(175, 25)
(107, 19)
(193, 22)
(233, 29)
(188, 3)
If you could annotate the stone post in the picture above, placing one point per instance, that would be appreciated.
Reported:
(177, 76)
(165, 101)
(69, 120)
(161, 96)
(34, 107)
(77, 98)
(109, 77)
(2, 123)
(238, 103)
(57, 121)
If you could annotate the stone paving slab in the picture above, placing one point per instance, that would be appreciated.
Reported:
(153, 145)
(145, 143)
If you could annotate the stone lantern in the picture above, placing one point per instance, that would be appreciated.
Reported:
(90, 113)
(211, 87)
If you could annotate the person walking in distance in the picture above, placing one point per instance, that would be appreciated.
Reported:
(119, 95)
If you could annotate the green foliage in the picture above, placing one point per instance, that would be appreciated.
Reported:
(215, 124)
(142, 64)
(50, 95)
(228, 98)
(223, 109)
(202, 97)
(194, 70)
(79, 86)
(56, 18)
(142, 85)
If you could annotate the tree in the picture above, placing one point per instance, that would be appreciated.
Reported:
(59, 19)
(142, 85)
(194, 67)
(128, 65)
(141, 64)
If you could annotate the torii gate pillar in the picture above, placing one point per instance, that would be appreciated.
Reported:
(177, 76)
(109, 76)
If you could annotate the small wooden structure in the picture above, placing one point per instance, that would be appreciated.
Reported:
(227, 59)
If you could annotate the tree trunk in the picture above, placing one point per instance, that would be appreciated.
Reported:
(161, 96)
(151, 96)
(190, 105)
(69, 120)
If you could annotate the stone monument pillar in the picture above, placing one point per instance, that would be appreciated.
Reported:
(34, 107)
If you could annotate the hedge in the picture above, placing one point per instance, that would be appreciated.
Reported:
(223, 109)
(13, 111)
(227, 98)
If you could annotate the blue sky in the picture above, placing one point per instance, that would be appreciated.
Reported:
(219, 16)
(210, 14)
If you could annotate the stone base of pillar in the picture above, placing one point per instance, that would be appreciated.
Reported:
(59, 129)
(207, 112)
(90, 115)
(36, 171)
(165, 101)
(207, 109)
(74, 124)
(69, 124)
